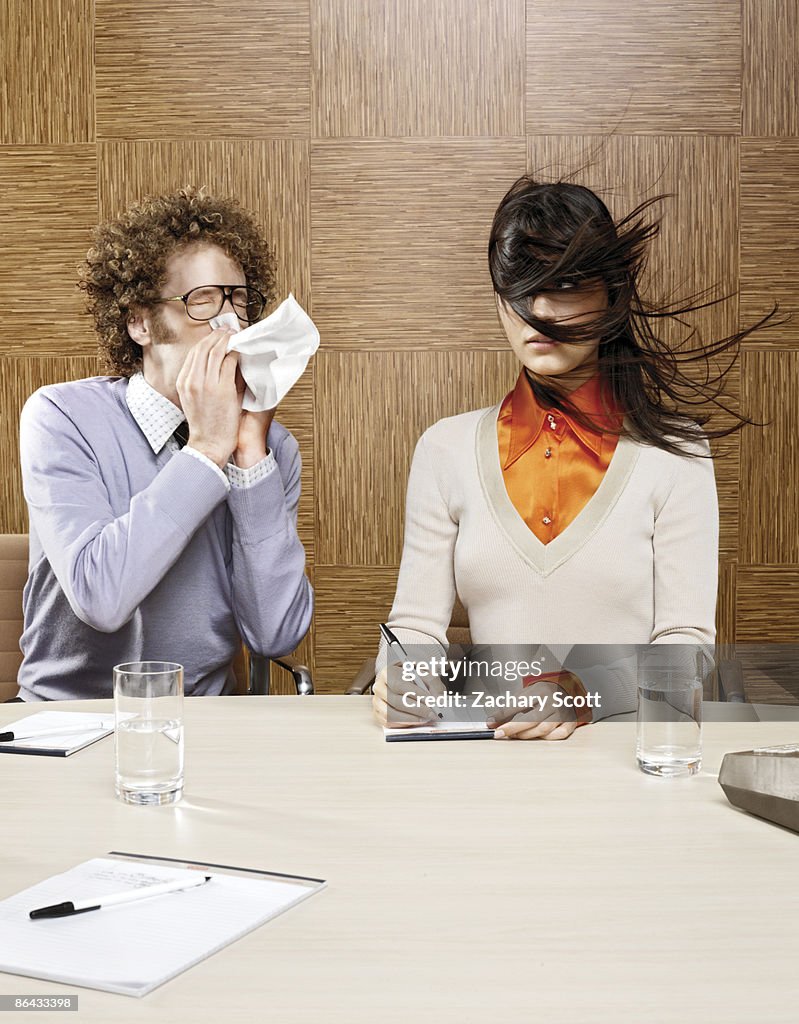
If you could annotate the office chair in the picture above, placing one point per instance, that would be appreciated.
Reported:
(255, 668)
(259, 674)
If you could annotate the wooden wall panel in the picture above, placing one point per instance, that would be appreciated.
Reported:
(371, 408)
(400, 234)
(296, 413)
(374, 141)
(725, 609)
(770, 87)
(351, 602)
(47, 209)
(193, 69)
(769, 247)
(727, 467)
(770, 669)
(767, 604)
(271, 178)
(409, 67)
(766, 613)
(770, 461)
(46, 72)
(19, 378)
(638, 67)
(698, 241)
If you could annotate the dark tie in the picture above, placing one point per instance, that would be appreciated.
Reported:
(181, 434)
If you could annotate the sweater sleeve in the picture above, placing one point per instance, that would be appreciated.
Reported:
(425, 592)
(686, 553)
(105, 563)
(272, 597)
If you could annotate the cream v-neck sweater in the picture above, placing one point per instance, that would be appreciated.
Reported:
(638, 565)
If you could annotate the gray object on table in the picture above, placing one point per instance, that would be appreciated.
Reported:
(765, 782)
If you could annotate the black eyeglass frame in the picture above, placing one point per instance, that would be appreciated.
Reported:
(227, 296)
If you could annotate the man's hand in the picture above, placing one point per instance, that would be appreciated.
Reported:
(538, 723)
(206, 386)
(389, 707)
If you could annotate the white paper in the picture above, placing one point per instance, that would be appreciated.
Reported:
(134, 947)
(96, 725)
(273, 352)
(437, 727)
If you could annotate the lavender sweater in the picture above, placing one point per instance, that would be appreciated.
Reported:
(136, 556)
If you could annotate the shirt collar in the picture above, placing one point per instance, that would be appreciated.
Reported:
(155, 415)
(527, 417)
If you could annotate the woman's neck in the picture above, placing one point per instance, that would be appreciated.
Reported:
(567, 382)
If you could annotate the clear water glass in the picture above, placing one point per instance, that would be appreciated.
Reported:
(670, 688)
(148, 734)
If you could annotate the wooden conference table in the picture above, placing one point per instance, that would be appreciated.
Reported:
(467, 881)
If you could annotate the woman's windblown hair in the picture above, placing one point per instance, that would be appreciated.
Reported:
(545, 235)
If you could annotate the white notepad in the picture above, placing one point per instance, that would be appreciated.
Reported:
(81, 729)
(462, 723)
(439, 731)
(135, 947)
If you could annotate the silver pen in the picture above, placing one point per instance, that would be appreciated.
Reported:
(396, 648)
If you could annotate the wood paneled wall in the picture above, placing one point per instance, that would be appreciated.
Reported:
(374, 139)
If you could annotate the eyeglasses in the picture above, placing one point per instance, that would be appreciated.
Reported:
(207, 301)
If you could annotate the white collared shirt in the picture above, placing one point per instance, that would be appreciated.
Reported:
(158, 418)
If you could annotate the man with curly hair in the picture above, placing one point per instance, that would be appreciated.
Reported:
(163, 517)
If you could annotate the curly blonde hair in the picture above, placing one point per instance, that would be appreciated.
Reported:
(125, 268)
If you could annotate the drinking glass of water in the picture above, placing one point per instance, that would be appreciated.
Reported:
(148, 738)
(670, 687)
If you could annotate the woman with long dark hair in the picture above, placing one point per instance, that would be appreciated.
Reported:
(582, 509)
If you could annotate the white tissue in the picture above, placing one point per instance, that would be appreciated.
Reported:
(226, 320)
(273, 353)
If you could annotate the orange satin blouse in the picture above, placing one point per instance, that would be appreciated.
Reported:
(551, 465)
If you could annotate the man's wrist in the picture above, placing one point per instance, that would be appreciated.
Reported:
(211, 455)
(246, 458)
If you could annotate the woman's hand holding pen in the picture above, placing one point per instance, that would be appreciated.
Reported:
(539, 723)
(397, 703)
